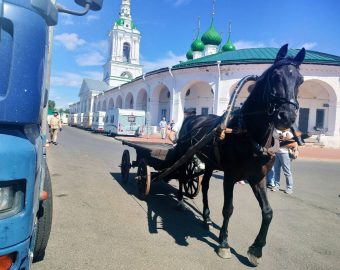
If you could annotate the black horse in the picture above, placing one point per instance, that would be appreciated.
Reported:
(271, 104)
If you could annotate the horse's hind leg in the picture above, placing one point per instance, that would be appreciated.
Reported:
(205, 187)
(255, 250)
(224, 249)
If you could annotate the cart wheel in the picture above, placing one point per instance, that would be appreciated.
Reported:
(125, 165)
(192, 184)
(143, 179)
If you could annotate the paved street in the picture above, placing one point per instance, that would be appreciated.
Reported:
(99, 223)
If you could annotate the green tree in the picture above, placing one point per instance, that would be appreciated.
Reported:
(51, 105)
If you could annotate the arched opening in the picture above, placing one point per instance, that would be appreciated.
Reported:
(126, 75)
(119, 102)
(129, 101)
(141, 103)
(317, 102)
(98, 106)
(104, 105)
(111, 104)
(94, 106)
(160, 106)
(243, 94)
(126, 52)
(199, 98)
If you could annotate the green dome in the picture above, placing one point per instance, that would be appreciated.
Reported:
(228, 47)
(133, 26)
(190, 55)
(120, 21)
(211, 37)
(197, 45)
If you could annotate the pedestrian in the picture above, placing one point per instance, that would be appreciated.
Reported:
(163, 126)
(282, 160)
(172, 124)
(55, 126)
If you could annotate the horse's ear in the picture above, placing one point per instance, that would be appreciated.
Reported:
(282, 53)
(298, 59)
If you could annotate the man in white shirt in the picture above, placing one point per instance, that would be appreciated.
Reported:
(281, 160)
(163, 126)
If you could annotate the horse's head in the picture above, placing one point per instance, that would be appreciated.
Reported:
(283, 81)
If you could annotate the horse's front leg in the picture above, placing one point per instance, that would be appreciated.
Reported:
(255, 250)
(180, 203)
(205, 187)
(228, 188)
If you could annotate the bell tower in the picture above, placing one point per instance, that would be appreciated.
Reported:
(123, 64)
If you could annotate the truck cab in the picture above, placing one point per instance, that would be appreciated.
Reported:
(25, 184)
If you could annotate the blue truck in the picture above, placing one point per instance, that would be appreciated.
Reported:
(25, 183)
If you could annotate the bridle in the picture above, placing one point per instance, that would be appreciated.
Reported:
(273, 102)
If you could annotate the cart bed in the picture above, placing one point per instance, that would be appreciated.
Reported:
(158, 155)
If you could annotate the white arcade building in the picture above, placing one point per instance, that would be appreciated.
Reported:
(206, 80)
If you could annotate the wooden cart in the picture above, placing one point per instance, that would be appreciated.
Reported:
(153, 161)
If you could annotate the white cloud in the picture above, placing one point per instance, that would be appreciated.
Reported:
(66, 19)
(94, 54)
(67, 79)
(70, 41)
(73, 80)
(181, 2)
(90, 18)
(96, 75)
(169, 60)
(243, 44)
(308, 45)
(90, 59)
(101, 45)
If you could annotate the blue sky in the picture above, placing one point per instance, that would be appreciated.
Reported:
(168, 26)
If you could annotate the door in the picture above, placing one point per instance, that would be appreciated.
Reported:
(303, 120)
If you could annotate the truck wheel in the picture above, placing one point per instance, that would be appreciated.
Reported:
(44, 221)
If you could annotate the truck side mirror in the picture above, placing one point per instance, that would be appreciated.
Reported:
(94, 4)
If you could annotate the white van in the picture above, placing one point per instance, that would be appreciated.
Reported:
(88, 120)
(80, 119)
(98, 121)
(64, 117)
(73, 119)
(124, 122)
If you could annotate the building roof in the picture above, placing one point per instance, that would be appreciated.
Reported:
(96, 85)
(90, 85)
(211, 37)
(258, 56)
(197, 45)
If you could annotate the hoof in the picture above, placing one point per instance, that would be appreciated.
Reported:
(253, 259)
(224, 253)
(208, 225)
(181, 206)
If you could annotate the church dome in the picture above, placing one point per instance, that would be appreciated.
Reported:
(229, 46)
(190, 55)
(211, 37)
(197, 45)
(120, 21)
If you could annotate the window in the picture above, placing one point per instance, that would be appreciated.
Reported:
(320, 117)
(112, 119)
(163, 113)
(126, 52)
(205, 111)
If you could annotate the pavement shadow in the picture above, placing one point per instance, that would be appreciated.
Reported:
(181, 225)
(162, 214)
